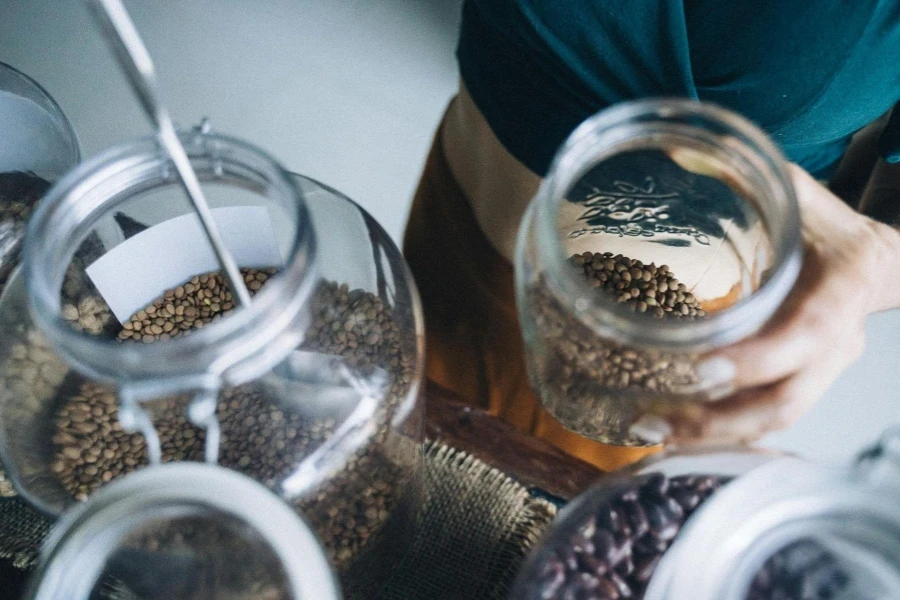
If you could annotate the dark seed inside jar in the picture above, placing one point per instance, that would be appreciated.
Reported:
(804, 570)
(614, 554)
(357, 507)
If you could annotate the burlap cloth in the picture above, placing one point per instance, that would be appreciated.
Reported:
(477, 526)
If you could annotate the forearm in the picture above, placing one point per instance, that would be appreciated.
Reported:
(881, 202)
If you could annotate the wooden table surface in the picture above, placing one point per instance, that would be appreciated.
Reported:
(532, 462)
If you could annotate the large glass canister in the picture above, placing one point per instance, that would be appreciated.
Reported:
(37, 147)
(178, 531)
(727, 524)
(664, 229)
(122, 345)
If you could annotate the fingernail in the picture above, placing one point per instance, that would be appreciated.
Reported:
(716, 370)
(652, 429)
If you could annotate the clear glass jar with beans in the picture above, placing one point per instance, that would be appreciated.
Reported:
(124, 346)
(663, 230)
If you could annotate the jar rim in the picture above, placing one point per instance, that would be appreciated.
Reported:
(53, 109)
(252, 337)
(604, 135)
(86, 538)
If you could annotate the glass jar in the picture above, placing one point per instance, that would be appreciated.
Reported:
(122, 347)
(727, 525)
(177, 531)
(664, 229)
(37, 147)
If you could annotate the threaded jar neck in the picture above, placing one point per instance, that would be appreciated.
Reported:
(252, 338)
(700, 135)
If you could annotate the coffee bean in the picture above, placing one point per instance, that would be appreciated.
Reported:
(655, 487)
(644, 568)
(353, 512)
(582, 373)
(604, 545)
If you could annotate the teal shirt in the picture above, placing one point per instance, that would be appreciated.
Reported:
(809, 72)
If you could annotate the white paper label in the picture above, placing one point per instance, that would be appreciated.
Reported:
(138, 270)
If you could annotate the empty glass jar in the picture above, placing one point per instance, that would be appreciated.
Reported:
(122, 345)
(728, 524)
(664, 229)
(37, 147)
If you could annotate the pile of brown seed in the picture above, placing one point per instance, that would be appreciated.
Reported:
(258, 437)
(643, 287)
(363, 506)
(590, 384)
(91, 447)
(200, 301)
(362, 509)
(31, 377)
(263, 440)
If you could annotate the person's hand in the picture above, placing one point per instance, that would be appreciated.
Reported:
(851, 268)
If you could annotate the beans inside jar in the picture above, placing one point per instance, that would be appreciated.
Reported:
(614, 553)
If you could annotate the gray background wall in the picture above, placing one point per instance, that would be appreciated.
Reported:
(348, 92)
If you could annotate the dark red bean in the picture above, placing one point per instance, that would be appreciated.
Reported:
(645, 566)
(621, 586)
(604, 544)
(655, 487)
(662, 526)
(637, 518)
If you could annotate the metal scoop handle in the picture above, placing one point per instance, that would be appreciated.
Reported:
(123, 38)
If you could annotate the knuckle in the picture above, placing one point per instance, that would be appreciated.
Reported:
(784, 410)
(856, 346)
(879, 248)
(813, 317)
